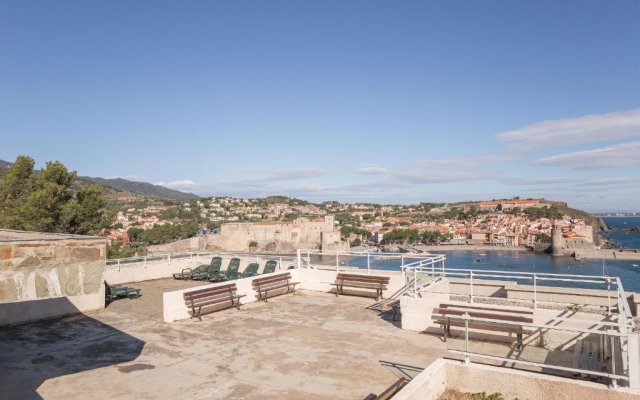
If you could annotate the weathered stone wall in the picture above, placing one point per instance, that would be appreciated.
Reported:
(272, 237)
(51, 266)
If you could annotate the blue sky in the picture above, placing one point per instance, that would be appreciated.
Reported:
(349, 100)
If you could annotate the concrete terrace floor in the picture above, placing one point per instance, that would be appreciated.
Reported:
(309, 345)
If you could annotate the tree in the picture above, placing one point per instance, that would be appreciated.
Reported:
(43, 200)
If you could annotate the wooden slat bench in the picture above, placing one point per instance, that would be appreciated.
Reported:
(218, 295)
(274, 283)
(445, 311)
(377, 283)
(390, 391)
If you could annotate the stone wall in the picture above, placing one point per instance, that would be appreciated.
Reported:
(36, 266)
(267, 236)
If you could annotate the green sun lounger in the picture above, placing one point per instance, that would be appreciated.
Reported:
(232, 270)
(214, 274)
(200, 273)
(270, 267)
(251, 270)
(114, 292)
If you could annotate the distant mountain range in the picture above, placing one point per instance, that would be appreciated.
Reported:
(142, 188)
(119, 187)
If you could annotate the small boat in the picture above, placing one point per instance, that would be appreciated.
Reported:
(635, 265)
(479, 260)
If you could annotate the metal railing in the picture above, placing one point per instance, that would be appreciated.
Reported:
(614, 332)
(337, 260)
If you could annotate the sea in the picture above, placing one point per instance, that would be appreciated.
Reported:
(627, 270)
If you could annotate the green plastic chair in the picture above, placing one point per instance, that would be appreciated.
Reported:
(251, 270)
(270, 267)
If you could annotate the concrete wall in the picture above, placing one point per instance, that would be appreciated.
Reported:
(48, 275)
(141, 271)
(473, 378)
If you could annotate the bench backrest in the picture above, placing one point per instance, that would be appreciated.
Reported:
(267, 280)
(485, 308)
(217, 291)
(486, 315)
(383, 280)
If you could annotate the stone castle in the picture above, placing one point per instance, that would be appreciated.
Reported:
(267, 236)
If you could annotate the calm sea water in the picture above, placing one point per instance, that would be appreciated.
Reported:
(620, 234)
(529, 262)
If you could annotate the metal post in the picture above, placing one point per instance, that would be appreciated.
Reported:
(280, 262)
(466, 338)
(402, 261)
(608, 296)
(535, 291)
(612, 350)
(169, 257)
(197, 256)
(470, 286)
(368, 263)
(337, 262)
(299, 258)
(308, 260)
(145, 261)
(415, 282)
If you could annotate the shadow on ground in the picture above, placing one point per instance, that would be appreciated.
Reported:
(33, 353)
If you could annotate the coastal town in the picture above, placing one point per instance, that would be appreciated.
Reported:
(512, 223)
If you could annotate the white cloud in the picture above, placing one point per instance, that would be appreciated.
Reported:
(572, 131)
(556, 180)
(287, 174)
(621, 155)
(372, 170)
(452, 169)
(176, 184)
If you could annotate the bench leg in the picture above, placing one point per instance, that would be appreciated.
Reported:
(337, 290)
(519, 344)
(444, 332)
(200, 314)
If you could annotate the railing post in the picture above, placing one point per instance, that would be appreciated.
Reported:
(299, 258)
(401, 261)
(535, 291)
(612, 350)
(368, 263)
(169, 258)
(145, 261)
(197, 256)
(470, 286)
(466, 338)
(337, 262)
(608, 296)
(118, 265)
(415, 282)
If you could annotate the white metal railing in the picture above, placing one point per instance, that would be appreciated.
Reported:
(308, 258)
(615, 333)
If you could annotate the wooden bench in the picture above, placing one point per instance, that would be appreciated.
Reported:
(269, 284)
(390, 391)
(377, 283)
(445, 311)
(218, 295)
